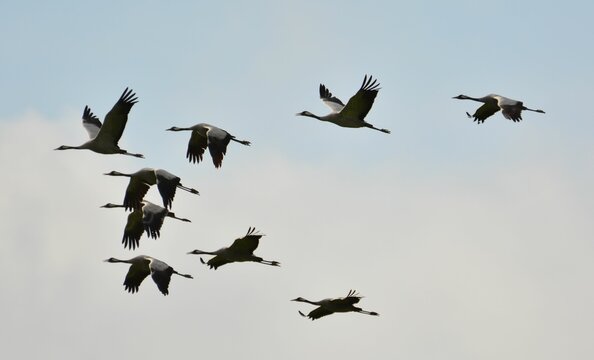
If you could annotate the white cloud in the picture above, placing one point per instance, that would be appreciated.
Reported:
(488, 265)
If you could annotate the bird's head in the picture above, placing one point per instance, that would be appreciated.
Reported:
(112, 173)
(110, 206)
(305, 113)
(299, 299)
(174, 128)
(197, 252)
(63, 147)
(461, 97)
(111, 260)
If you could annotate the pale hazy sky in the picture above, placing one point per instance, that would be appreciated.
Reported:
(471, 241)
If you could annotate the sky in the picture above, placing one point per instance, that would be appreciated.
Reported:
(470, 241)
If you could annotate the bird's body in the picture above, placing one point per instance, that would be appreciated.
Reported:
(143, 266)
(352, 114)
(149, 218)
(241, 250)
(104, 137)
(330, 306)
(205, 135)
(143, 179)
(492, 103)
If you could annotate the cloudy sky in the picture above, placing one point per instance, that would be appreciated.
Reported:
(471, 241)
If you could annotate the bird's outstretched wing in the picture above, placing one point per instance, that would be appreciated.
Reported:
(248, 243)
(162, 279)
(484, 111)
(167, 185)
(116, 118)
(91, 123)
(133, 230)
(217, 261)
(351, 298)
(318, 313)
(153, 217)
(136, 274)
(359, 105)
(196, 147)
(218, 140)
(512, 112)
(332, 102)
(135, 192)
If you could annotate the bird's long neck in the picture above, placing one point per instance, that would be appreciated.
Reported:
(308, 114)
(117, 173)
(68, 147)
(111, 206)
(483, 99)
(175, 128)
(114, 260)
(309, 301)
(200, 252)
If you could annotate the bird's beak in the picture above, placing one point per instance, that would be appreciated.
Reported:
(294, 299)
(190, 253)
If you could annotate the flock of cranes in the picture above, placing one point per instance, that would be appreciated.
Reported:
(149, 217)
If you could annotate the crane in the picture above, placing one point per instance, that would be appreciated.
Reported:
(206, 135)
(104, 138)
(141, 181)
(352, 114)
(330, 306)
(141, 266)
(492, 103)
(148, 218)
(241, 250)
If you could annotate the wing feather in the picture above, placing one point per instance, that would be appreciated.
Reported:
(162, 279)
(332, 102)
(135, 193)
(217, 261)
(512, 112)
(152, 219)
(136, 274)
(91, 123)
(359, 105)
(248, 243)
(217, 144)
(319, 312)
(117, 117)
(484, 111)
(167, 185)
(196, 147)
